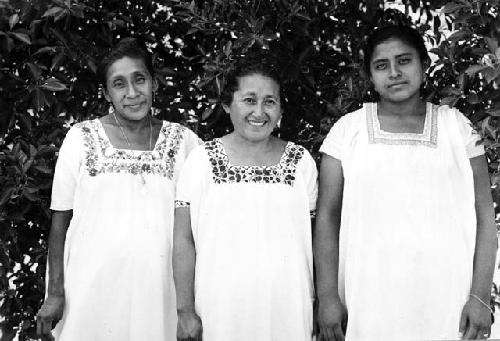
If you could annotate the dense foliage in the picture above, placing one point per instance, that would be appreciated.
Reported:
(48, 55)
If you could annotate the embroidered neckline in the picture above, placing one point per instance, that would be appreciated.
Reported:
(225, 172)
(102, 132)
(102, 157)
(427, 138)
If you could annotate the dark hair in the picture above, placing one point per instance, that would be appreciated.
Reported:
(406, 34)
(248, 67)
(127, 47)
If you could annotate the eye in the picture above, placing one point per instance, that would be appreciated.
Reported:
(118, 83)
(270, 101)
(249, 100)
(380, 66)
(140, 79)
(403, 61)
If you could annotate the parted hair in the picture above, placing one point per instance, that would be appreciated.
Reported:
(127, 47)
(406, 34)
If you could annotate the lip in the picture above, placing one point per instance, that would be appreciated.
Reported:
(392, 85)
(134, 106)
(257, 123)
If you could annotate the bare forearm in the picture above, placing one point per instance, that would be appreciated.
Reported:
(57, 238)
(184, 259)
(486, 233)
(326, 254)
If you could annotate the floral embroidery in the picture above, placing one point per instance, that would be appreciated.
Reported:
(224, 172)
(180, 203)
(427, 138)
(102, 157)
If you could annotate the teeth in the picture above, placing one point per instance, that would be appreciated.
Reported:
(257, 123)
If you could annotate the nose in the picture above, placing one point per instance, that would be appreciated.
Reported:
(131, 90)
(395, 71)
(259, 110)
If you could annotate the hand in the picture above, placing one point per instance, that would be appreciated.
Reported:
(50, 312)
(189, 326)
(475, 321)
(332, 320)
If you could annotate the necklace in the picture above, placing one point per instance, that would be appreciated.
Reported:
(143, 180)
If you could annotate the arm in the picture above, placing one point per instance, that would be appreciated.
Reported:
(476, 319)
(52, 308)
(332, 315)
(184, 260)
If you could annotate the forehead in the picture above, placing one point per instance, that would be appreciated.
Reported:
(259, 84)
(392, 47)
(125, 66)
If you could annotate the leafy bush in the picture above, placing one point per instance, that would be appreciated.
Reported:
(49, 50)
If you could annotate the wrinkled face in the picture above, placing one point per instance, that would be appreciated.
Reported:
(255, 109)
(396, 70)
(130, 86)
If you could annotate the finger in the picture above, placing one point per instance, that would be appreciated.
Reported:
(463, 325)
(38, 326)
(46, 326)
(339, 334)
(330, 335)
(471, 333)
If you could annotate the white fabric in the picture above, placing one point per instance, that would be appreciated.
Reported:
(117, 262)
(408, 225)
(253, 277)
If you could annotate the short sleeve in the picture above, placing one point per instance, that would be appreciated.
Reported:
(191, 141)
(190, 183)
(310, 173)
(333, 144)
(67, 171)
(470, 137)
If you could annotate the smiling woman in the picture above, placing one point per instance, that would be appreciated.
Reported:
(242, 236)
(110, 243)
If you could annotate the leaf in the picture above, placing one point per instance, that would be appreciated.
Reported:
(46, 49)
(57, 60)
(5, 195)
(53, 84)
(494, 111)
(53, 11)
(459, 35)
(13, 20)
(43, 169)
(22, 37)
(473, 69)
(206, 114)
(35, 70)
(492, 44)
(39, 99)
(452, 7)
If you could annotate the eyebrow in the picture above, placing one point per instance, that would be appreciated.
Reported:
(397, 56)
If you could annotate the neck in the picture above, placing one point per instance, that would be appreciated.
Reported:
(412, 106)
(251, 147)
(132, 125)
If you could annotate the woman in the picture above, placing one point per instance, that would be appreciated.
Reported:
(113, 200)
(405, 236)
(242, 236)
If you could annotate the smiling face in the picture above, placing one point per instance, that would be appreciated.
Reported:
(130, 86)
(396, 71)
(255, 109)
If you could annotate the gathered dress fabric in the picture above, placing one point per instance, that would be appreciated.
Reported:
(118, 278)
(252, 232)
(408, 224)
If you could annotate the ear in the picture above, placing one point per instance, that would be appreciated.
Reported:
(106, 95)
(226, 108)
(155, 84)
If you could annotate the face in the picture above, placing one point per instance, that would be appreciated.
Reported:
(255, 109)
(396, 71)
(129, 86)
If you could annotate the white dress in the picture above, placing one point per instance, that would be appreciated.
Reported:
(252, 231)
(117, 257)
(408, 225)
